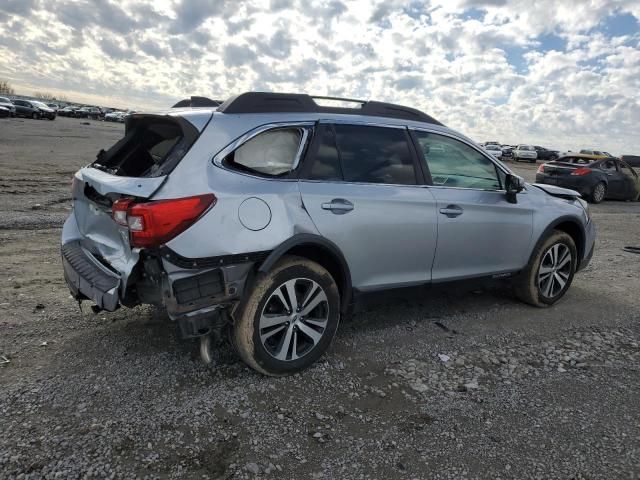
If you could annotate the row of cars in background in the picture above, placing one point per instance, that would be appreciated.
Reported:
(37, 109)
(595, 174)
(520, 153)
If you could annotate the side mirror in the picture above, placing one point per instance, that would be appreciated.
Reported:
(513, 185)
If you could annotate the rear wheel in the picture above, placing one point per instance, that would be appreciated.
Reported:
(35, 115)
(289, 319)
(598, 193)
(549, 274)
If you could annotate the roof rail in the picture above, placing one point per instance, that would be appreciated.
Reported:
(262, 102)
(197, 102)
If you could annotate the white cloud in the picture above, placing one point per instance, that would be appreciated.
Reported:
(482, 67)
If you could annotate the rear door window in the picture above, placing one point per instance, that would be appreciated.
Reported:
(364, 154)
(455, 164)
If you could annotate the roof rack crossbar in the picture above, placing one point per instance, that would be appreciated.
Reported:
(263, 102)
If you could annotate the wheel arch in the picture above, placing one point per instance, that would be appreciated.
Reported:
(320, 250)
(572, 227)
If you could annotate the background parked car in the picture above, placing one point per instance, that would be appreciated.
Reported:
(525, 153)
(33, 109)
(507, 151)
(546, 155)
(594, 179)
(494, 149)
(8, 104)
(53, 106)
(4, 112)
(114, 117)
(67, 112)
(633, 160)
(596, 153)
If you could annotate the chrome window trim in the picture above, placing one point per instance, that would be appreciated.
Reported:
(473, 147)
(238, 142)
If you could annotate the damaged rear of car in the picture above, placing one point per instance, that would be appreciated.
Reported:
(111, 243)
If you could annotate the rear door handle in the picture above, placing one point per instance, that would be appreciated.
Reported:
(339, 206)
(451, 211)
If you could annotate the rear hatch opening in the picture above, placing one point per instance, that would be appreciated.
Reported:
(152, 146)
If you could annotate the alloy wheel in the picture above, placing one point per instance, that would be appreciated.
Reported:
(555, 270)
(294, 319)
(599, 192)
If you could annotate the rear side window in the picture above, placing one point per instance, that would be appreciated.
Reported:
(364, 154)
(455, 164)
(272, 153)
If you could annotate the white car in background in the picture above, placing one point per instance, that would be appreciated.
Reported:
(494, 149)
(525, 153)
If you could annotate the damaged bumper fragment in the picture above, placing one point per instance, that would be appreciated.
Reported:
(88, 278)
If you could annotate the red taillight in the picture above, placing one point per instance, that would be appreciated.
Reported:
(581, 171)
(541, 168)
(153, 223)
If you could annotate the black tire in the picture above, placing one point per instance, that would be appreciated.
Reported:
(261, 355)
(532, 161)
(35, 116)
(598, 192)
(527, 286)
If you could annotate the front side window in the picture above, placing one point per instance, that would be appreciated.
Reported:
(272, 153)
(455, 164)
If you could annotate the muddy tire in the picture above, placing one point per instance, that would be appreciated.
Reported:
(288, 319)
(550, 272)
(598, 193)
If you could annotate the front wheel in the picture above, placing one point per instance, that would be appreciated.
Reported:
(549, 274)
(35, 116)
(289, 319)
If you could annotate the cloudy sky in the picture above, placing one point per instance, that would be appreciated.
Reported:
(561, 73)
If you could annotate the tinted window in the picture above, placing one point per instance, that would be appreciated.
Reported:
(608, 165)
(375, 155)
(326, 162)
(270, 153)
(454, 164)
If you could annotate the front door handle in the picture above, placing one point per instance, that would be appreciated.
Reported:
(451, 211)
(339, 206)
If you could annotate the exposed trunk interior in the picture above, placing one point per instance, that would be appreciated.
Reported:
(152, 146)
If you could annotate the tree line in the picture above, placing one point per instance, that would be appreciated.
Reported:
(7, 89)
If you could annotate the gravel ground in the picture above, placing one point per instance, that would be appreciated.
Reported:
(458, 385)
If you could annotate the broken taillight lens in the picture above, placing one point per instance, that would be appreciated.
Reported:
(153, 223)
(581, 171)
(119, 210)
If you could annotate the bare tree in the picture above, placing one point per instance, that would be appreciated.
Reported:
(6, 88)
(46, 96)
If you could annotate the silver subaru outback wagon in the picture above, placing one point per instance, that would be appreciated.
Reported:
(273, 215)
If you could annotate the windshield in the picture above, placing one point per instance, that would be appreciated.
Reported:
(39, 104)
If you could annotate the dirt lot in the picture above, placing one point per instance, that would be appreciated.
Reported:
(526, 393)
